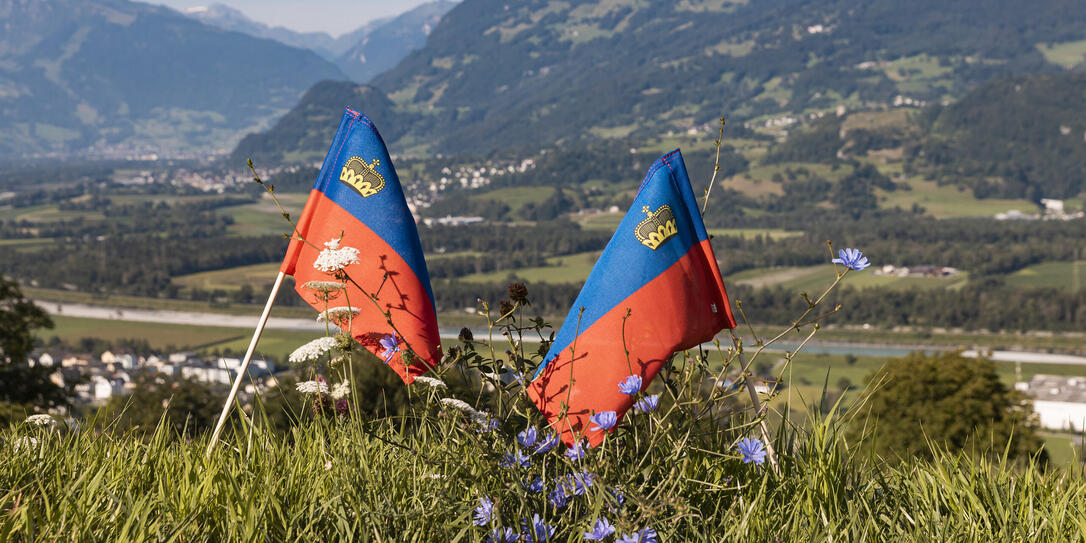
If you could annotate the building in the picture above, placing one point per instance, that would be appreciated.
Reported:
(1059, 401)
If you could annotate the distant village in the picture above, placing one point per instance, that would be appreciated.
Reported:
(96, 379)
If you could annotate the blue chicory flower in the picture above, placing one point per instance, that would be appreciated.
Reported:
(536, 531)
(647, 535)
(600, 529)
(752, 450)
(558, 498)
(576, 484)
(631, 385)
(576, 452)
(484, 512)
(391, 346)
(604, 420)
(515, 459)
(617, 498)
(527, 438)
(535, 487)
(852, 259)
(502, 535)
(547, 443)
(648, 403)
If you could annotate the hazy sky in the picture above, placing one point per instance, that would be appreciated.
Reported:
(332, 16)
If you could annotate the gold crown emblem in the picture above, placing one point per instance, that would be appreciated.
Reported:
(657, 228)
(362, 177)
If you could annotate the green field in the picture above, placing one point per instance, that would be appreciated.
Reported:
(515, 197)
(1067, 54)
(815, 279)
(1050, 275)
(230, 279)
(948, 201)
(264, 218)
(560, 269)
(47, 213)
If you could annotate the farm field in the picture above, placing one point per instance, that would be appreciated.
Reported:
(263, 218)
(1059, 275)
(947, 201)
(814, 279)
(231, 278)
(560, 269)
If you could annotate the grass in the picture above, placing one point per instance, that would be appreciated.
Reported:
(516, 197)
(813, 279)
(559, 269)
(264, 218)
(231, 278)
(47, 213)
(949, 201)
(47, 296)
(1050, 275)
(1067, 54)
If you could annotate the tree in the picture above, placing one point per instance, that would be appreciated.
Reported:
(20, 384)
(955, 402)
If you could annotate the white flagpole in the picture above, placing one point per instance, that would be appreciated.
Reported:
(245, 363)
(757, 405)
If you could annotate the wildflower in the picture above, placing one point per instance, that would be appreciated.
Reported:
(852, 259)
(324, 286)
(391, 346)
(312, 350)
(466, 336)
(535, 530)
(600, 530)
(334, 258)
(558, 498)
(535, 487)
(459, 405)
(342, 406)
(527, 437)
(336, 314)
(548, 442)
(484, 512)
(25, 442)
(617, 497)
(506, 307)
(41, 420)
(515, 459)
(576, 452)
(486, 422)
(576, 484)
(752, 450)
(341, 390)
(648, 403)
(631, 385)
(313, 387)
(647, 535)
(433, 383)
(604, 420)
(502, 535)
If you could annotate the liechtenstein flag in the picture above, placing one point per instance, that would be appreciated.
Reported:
(658, 269)
(357, 200)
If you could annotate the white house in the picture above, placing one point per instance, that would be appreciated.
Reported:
(1059, 401)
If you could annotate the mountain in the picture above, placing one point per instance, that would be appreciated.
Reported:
(122, 76)
(322, 43)
(381, 46)
(495, 73)
(303, 134)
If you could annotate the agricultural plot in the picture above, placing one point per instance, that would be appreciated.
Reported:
(1067, 54)
(264, 218)
(948, 201)
(1061, 275)
(230, 279)
(813, 279)
(559, 269)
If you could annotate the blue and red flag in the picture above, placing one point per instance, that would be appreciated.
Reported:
(358, 197)
(655, 290)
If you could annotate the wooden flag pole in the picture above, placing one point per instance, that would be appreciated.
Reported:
(757, 408)
(245, 363)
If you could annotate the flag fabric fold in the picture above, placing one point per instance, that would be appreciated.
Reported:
(655, 290)
(357, 199)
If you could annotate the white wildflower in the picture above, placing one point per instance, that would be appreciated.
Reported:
(312, 350)
(434, 383)
(335, 258)
(313, 387)
(25, 442)
(459, 405)
(433, 476)
(341, 390)
(41, 420)
(328, 465)
(333, 243)
(324, 286)
(335, 314)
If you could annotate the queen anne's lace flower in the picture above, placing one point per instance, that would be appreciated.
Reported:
(334, 257)
(41, 420)
(313, 387)
(312, 350)
(459, 405)
(335, 314)
(25, 443)
(324, 286)
(433, 383)
(340, 390)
